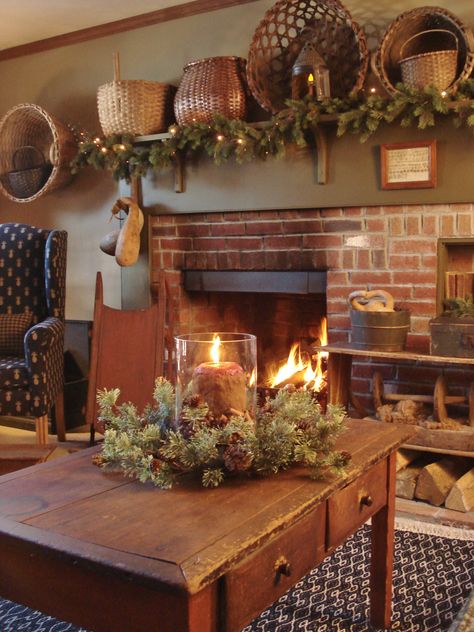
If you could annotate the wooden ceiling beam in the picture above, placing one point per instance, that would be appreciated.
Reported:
(119, 26)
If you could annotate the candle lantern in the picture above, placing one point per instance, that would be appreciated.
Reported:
(310, 74)
(219, 367)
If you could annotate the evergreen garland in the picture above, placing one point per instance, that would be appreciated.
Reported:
(229, 139)
(290, 429)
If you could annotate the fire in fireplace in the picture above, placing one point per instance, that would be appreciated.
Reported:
(304, 368)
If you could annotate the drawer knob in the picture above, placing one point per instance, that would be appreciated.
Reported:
(367, 500)
(282, 566)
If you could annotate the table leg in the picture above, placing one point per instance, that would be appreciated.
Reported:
(339, 379)
(382, 554)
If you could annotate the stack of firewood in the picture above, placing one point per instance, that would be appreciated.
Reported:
(436, 479)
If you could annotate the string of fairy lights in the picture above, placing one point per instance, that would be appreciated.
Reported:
(232, 139)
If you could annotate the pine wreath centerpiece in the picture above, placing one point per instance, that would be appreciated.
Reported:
(152, 446)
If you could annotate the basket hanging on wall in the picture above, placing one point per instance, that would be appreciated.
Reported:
(280, 36)
(35, 152)
(445, 60)
(134, 106)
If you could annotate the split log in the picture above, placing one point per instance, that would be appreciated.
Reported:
(406, 481)
(461, 496)
(436, 480)
(405, 457)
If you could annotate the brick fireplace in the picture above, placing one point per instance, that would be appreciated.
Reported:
(389, 247)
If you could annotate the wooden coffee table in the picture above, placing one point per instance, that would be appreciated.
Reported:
(108, 553)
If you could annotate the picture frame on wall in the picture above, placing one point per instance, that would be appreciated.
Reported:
(410, 165)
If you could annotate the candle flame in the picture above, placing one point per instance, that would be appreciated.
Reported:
(310, 78)
(215, 353)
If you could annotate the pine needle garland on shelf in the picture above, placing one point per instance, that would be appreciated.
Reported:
(229, 139)
(290, 430)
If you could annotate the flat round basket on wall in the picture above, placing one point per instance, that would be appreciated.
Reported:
(406, 46)
(35, 152)
(280, 36)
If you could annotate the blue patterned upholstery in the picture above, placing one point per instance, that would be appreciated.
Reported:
(33, 281)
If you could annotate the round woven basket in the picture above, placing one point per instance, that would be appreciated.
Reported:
(281, 35)
(134, 106)
(392, 52)
(431, 68)
(215, 85)
(28, 124)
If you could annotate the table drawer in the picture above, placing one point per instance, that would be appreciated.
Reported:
(267, 574)
(353, 505)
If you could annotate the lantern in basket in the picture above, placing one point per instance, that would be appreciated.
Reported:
(310, 74)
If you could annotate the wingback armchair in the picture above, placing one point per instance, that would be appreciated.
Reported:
(32, 299)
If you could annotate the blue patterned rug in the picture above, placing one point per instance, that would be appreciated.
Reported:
(433, 576)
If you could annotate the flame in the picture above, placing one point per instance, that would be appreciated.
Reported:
(310, 78)
(215, 352)
(310, 369)
(253, 377)
(292, 366)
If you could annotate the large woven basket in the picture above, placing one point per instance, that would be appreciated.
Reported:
(215, 85)
(431, 68)
(280, 36)
(135, 107)
(28, 124)
(391, 52)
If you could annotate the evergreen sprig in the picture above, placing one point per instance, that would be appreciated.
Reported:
(227, 139)
(459, 307)
(289, 429)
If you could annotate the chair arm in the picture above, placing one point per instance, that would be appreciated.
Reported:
(44, 354)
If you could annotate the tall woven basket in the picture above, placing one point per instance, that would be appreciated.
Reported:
(30, 125)
(134, 106)
(215, 85)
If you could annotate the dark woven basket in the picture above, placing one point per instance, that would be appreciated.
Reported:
(30, 171)
(211, 86)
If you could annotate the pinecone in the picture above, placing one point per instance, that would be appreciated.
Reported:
(98, 459)
(155, 465)
(194, 401)
(237, 458)
(186, 427)
(217, 422)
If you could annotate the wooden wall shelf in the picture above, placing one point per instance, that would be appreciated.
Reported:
(454, 442)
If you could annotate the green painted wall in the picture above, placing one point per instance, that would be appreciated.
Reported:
(64, 81)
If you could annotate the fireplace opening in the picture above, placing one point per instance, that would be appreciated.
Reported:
(286, 312)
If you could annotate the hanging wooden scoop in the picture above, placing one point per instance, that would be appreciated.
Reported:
(371, 301)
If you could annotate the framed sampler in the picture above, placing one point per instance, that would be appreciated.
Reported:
(408, 165)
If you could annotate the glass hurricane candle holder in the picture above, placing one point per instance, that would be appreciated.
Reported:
(219, 367)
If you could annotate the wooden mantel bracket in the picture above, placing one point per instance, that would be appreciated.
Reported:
(178, 162)
(322, 154)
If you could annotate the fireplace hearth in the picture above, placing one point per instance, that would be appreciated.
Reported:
(380, 247)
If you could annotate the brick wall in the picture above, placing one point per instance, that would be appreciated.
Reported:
(389, 247)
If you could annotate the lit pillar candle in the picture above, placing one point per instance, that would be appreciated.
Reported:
(311, 84)
(222, 385)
